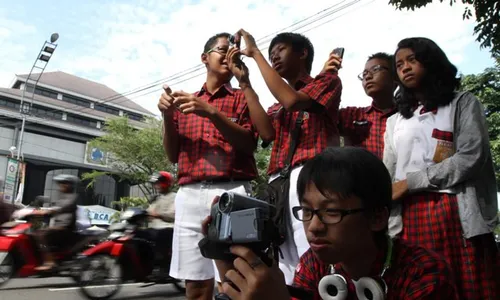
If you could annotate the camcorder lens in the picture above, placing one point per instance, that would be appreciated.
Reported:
(225, 203)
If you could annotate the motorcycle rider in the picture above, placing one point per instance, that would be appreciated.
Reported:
(63, 219)
(162, 211)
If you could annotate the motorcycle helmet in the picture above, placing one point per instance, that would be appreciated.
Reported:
(67, 179)
(163, 178)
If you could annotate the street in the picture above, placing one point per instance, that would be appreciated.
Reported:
(64, 289)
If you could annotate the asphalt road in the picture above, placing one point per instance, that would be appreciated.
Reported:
(64, 289)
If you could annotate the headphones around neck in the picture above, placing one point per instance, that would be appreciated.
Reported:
(334, 286)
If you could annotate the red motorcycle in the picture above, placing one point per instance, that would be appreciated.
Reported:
(127, 256)
(20, 252)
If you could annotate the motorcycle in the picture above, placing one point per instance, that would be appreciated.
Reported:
(131, 254)
(20, 252)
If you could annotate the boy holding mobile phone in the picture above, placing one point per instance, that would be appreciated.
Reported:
(209, 134)
(365, 126)
(311, 102)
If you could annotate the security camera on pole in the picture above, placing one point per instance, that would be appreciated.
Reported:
(31, 83)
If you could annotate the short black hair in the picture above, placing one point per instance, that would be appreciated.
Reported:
(348, 171)
(298, 42)
(384, 56)
(439, 83)
(212, 41)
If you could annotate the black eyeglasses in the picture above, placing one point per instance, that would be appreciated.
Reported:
(325, 215)
(374, 70)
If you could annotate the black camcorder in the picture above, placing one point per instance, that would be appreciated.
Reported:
(239, 220)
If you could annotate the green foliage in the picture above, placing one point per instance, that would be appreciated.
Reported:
(126, 202)
(487, 12)
(262, 157)
(134, 154)
(497, 230)
(486, 87)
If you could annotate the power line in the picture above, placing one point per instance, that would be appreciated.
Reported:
(123, 97)
(332, 19)
(269, 37)
(267, 47)
(319, 15)
(176, 76)
(197, 67)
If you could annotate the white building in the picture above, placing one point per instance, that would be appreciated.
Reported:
(67, 112)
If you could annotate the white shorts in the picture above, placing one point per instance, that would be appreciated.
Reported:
(192, 205)
(292, 248)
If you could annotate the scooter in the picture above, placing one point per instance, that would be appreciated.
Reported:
(128, 253)
(20, 252)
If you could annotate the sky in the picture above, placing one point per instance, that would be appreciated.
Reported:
(131, 44)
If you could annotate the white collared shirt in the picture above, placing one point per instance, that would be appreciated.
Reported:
(416, 139)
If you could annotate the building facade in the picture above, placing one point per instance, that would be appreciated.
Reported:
(65, 112)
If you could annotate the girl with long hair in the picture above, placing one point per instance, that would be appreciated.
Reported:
(437, 151)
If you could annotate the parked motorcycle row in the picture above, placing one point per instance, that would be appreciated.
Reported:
(100, 262)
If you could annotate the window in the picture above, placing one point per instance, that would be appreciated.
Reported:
(135, 117)
(46, 93)
(76, 101)
(46, 113)
(9, 103)
(81, 121)
(106, 109)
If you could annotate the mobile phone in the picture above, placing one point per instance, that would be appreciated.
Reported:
(235, 40)
(339, 51)
(168, 90)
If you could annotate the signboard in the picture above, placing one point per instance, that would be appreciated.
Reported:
(99, 215)
(95, 156)
(10, 179)
(21, 180)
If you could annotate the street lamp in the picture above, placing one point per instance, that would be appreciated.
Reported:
(40, 63)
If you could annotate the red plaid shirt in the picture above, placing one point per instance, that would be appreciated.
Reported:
(319, 128)
(204, 153)
(364, 127)
(415, 273)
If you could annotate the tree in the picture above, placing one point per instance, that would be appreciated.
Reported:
(262, 156)
(136, 154)
(487, 14)
(126, 202)
(133, 154)
(486, 87)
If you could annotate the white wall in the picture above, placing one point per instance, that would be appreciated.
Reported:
(50, 147)
(44, 146)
